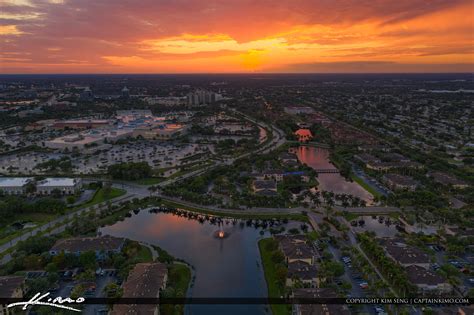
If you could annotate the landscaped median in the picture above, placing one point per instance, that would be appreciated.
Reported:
(275, 273)
(244, 214)
(100, 196)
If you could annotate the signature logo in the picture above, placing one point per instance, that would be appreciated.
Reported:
(57, 302)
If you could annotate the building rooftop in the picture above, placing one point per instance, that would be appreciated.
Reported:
(9, 284)
(295, 247)
(82, 244)
(14, 181)
(302, 270)
(144, 281)
(57, 181)
(264, 185)
(405, 254)
(318, 309)
(400, 179)
(419, 275)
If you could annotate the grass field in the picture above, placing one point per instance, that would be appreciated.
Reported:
(179, 277)
(144, 255)
(274, 290)
(371, 190)
(99, 197)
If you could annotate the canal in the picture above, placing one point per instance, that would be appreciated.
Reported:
(318, 158)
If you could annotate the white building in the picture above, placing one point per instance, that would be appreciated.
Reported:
(14, 185)
(67, 186)
(87, 139)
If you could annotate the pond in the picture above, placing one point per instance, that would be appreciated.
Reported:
(228, 267)
(318, 158)
(382, 226)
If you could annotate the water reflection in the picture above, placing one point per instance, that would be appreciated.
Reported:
(318, 158)
(225, 267)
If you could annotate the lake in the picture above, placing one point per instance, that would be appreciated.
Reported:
(229, 267)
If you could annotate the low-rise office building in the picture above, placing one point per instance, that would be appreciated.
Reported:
(67, 186)
(14, 185)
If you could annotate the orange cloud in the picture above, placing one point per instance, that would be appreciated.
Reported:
(235, 35)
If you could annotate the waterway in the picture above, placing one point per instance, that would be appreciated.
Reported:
(318, 158)
(229, 267)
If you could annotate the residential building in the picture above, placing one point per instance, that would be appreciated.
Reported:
(318, 308)
(295, 248)
(10, 287)
(406, 255)
(145, 280)
(446, 179)
(295, 110)
(366, 158)
(103, 246)
(288, 158)
(302, 273)
(428, 282)
(396, 181)
(265, 187)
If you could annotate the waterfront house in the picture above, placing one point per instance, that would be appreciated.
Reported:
(103, 246)
(145, 280)
(10, 287)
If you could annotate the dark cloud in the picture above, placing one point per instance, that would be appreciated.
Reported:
(374, 67)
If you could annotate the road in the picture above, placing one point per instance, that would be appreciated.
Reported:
(139, 191)
(63, 218)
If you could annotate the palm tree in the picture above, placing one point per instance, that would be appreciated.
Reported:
(328, 211)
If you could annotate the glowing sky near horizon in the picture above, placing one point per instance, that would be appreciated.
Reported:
(213, 36)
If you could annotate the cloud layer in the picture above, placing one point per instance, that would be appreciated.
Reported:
(117, 36)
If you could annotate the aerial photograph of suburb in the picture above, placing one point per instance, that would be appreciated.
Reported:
(237, 157)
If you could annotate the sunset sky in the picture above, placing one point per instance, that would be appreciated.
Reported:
(212, 36)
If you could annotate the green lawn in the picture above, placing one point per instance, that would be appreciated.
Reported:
(274, 290)
(144, 255)
(350, 216)
(99, 197)
(359, 181)
(149, 181)
(179, 278)
(42, 218)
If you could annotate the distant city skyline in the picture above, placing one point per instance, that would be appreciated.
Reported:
(72, 36)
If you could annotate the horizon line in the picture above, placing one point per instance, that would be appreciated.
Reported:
(232, 73)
